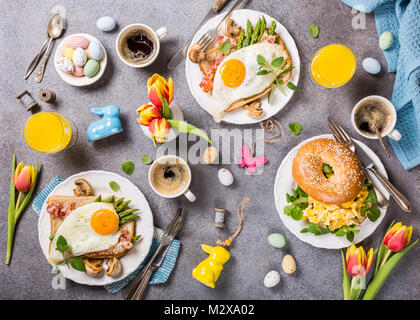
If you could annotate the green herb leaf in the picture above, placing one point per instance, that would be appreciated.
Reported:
(278, 62)
(128, 167)
(146, 159)
(350, 236)
(185, 127)
(262, 72)
(373, 214)
(297, 213)
(292, 86)
(371, 198)
(224, 48)
(61, 244)
(295, 128)
(260, 60)
(166, 112)
(114, 186)
(78, 264)
(314, 30)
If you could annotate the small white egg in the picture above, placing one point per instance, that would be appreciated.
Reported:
(271, 279)
(65, 65)
(95, 50)
(79, 57)
(106, 23)
(371, 65)
(225, 177)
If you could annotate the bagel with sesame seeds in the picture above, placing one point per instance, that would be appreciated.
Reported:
(341, 185)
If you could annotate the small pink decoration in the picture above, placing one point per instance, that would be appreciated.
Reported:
(249, 161)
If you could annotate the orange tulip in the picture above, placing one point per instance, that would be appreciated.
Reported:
(358, 264)
(158, 88)
(147, 113)
(397, 237)
(159, 129)
(24, 177)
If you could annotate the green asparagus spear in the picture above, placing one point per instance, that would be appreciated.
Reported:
(262, 28)
(241, 39)
(98, 199)
(110, 200)
(128, 218)
(272, 28)
(127, 212)
(256, 32)
(123, 205)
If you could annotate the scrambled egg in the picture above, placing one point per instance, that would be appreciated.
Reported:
(336, 216)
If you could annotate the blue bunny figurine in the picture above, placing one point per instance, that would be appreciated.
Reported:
(109, 124)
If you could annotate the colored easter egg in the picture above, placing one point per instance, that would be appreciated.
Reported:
(65, 65)
(106, 23)
(68, 53)
(79, 57)
(271, 279)
(87, 54)
(78, 71)
(385, 40)
(225, 177)
(288, 264)
(91, 68)
(371, 65)
(277, 240)
(78, 42)
(95, 51)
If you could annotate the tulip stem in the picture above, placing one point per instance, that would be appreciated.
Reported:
(18, 202)
(384, 260)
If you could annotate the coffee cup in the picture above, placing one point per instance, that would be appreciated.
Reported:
(378, 110)
(170, 177)
(138, 45)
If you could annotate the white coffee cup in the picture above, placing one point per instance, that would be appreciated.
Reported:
(185, 191)
(390, 131)
(157, 35)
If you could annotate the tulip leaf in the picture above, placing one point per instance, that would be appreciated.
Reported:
(346, 283)
(382, 251)
(185, 127)
(166, 112)
(11, 213)
(383, 273)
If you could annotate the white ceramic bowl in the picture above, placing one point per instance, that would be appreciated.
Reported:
(70, 78)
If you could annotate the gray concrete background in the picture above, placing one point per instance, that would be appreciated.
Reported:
(318, 276)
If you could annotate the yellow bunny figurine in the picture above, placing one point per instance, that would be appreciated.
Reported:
(208, 271)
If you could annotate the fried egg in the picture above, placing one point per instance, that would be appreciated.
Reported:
(236, 77)
(90, 228)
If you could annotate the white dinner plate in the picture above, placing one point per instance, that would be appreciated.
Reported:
(99, 181)
(284, 183)
(279, 100)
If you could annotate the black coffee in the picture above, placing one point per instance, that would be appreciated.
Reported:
(137, 46)
(373, 116)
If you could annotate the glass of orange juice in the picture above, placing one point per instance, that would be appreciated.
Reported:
(49, 132)
(333, 66)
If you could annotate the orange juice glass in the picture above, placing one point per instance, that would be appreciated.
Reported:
(333, 66)
(49, 132)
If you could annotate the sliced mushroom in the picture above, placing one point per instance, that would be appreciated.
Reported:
(93, 266)
(83, 188)
(231, 29)
(113, 267)
(196, 54)
(254, 109)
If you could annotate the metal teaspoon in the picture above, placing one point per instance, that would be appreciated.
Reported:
(55, 28)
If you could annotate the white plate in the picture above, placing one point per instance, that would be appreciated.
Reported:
(70, 78)
(284, 183)
(99, 180)
(279, 100)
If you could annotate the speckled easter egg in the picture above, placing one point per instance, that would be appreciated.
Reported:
(106, 23)
(371, 65)
(79, 57)
(385, 40)
(65, 65)
(277, 240)
(68, 53)
(225, 177)
(95, 51)
(78, 42)
(78, 71)
(91, 68)
(288, 264)
(271, 279)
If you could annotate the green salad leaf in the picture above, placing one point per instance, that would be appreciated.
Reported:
(295, 128)
(225, 47)
(128, 167)
(78, 264)
(314, 30)
(146, 159)
(114, 186)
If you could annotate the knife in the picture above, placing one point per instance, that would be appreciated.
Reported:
(180, 54)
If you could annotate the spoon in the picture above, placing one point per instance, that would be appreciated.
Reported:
(55, 28)
(381, 141)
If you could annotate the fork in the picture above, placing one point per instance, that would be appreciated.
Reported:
(342, 136)
(210, 36)
(131, 288)
(155, 265)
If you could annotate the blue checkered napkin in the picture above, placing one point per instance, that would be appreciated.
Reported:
(160, 275)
